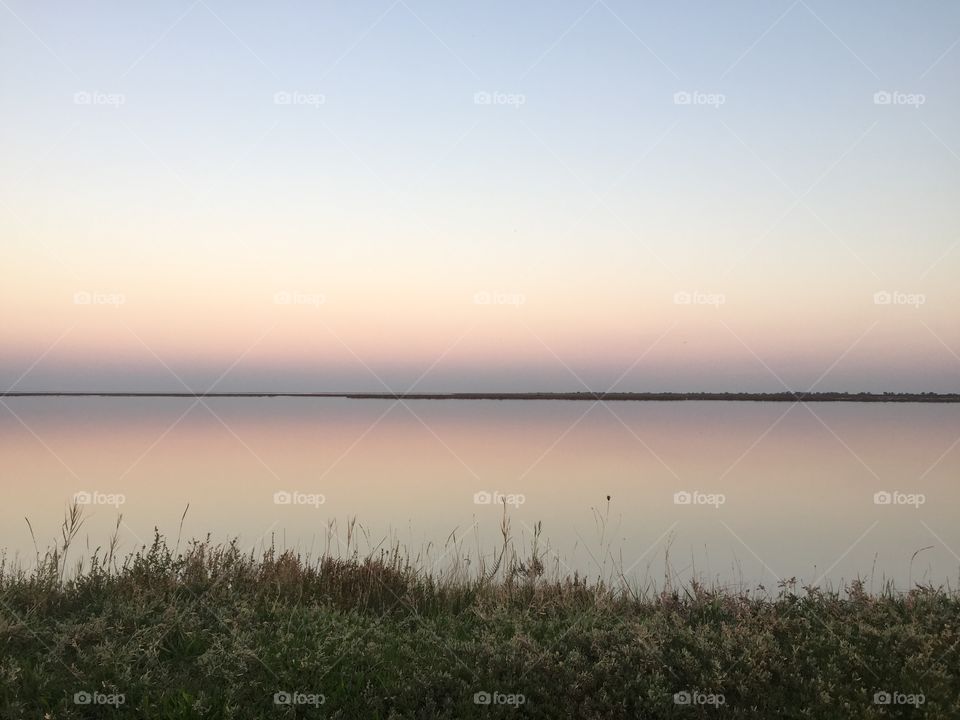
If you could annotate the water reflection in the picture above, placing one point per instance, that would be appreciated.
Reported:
(738, 492)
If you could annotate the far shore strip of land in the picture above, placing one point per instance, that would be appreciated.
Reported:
(801, 397)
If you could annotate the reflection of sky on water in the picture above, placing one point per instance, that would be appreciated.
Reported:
(797, 483)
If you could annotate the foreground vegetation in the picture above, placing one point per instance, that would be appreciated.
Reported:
(213, 632)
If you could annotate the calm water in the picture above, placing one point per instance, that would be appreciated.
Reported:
(774, 491)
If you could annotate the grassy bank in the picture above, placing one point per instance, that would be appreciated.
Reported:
(209, 631)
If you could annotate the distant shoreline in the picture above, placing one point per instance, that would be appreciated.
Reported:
(806, 397)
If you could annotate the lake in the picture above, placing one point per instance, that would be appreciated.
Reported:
(733, 493)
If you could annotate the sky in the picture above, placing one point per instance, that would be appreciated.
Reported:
(443, 196)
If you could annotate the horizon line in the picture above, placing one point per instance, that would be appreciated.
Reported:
(624, 396)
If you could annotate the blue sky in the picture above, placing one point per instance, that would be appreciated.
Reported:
(145, 152)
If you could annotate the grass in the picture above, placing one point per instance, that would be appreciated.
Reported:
(211, 631)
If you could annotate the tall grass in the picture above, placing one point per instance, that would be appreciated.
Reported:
(208, 630)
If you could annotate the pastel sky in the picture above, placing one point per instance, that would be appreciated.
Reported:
(480, 196)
